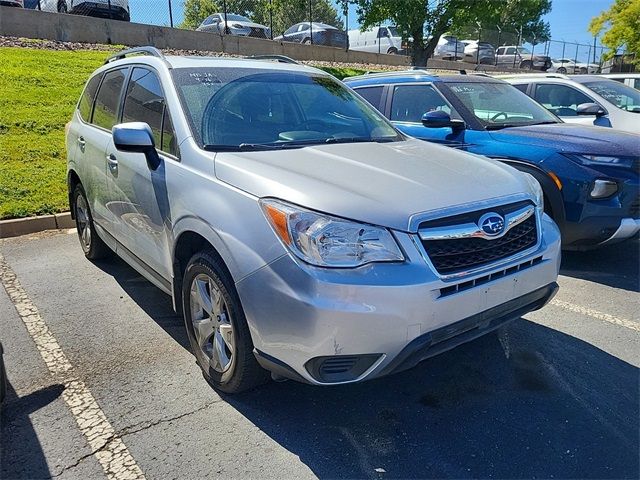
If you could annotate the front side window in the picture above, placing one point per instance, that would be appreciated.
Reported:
(562, 100)
(622, 96)
(511, 51)
(106, 107)
(499, 105)
(85, 105)
(411, 102)
(145, 102)
(237, 108)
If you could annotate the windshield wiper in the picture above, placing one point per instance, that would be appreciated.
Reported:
(360, 139)
(500, 126)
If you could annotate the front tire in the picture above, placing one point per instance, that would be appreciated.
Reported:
(217, 328)
(92, 245)
(562, 70)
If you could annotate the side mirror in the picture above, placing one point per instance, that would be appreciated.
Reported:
(440, 119)
(591, 109)
(136, 137)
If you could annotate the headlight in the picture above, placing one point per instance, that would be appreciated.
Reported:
(603, 188)
(602, 160)
(327, 241)
(536, 190)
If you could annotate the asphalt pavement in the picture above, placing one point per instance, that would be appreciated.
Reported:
(554, 395)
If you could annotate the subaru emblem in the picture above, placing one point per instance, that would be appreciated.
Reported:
(491, 224)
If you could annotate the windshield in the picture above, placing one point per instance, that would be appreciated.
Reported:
(236, 18)
(498, 105)
(238, 108)
(622, 96)
(393, 32)
(523, 50)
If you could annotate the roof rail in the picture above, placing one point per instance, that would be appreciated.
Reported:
(153, 51)
(273, 58)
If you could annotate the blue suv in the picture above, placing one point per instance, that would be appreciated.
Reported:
(589, 175)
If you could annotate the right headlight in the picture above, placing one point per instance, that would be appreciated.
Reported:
(326, 241)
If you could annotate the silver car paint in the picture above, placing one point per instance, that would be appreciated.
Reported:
(296, 311)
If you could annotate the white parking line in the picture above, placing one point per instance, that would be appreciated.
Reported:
(107, 447)
(589, 312)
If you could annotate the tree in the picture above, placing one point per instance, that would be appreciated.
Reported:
(622, 27)
(283, 13)
(424, 21)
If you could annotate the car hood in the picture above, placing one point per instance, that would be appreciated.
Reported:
(377, 183)
(573, 138)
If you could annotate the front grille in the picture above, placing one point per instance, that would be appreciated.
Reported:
(458, 255)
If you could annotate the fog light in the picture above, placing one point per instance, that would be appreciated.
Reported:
(603, 188)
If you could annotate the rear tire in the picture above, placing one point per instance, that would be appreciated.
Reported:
(526, 65)
(92, 245)
(306, 41)
(216, 326)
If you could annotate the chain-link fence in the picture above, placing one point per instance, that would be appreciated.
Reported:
(335, 23)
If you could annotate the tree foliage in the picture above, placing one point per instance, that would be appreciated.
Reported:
(621, 25)
(425, 20)
(283, 13)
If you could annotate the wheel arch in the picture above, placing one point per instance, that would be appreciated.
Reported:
(554, 203)
(73, 179)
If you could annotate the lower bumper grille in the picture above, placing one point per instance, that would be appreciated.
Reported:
(457, 255)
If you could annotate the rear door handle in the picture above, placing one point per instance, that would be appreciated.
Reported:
(112, 161)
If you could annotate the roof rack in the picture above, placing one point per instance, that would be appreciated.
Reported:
(152, 51)
(414, 70)
(273, 58)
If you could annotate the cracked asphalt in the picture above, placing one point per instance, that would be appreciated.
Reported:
(555, 395)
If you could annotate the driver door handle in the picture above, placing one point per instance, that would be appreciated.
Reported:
(81, 143)
(112, 161)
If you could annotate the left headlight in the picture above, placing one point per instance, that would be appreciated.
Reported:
(602, 160)
(326, 241)
(536, 190)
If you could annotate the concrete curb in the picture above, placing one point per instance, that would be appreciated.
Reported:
(23, 226)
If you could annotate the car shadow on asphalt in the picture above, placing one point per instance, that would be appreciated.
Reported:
(528, 402)
(555, 407)
(615, 265)
(21, 454)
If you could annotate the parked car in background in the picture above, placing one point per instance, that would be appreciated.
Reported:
(584, 99)
(562, 65)
(383, 39)
(320, 33)
(234, 25)
(630, 79)
(479, 52)
(296, 229)
(12, 3)
(116, 9)
(449, 48)
(589, 175)
(520, 57)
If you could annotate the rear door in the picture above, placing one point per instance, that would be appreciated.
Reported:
(139, 193)
(92, 153)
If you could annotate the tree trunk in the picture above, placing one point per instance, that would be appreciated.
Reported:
(422, 51)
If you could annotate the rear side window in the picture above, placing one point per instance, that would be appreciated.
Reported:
(373, 95)
(522, 87)
(88, 96)
(145, 102)
(106, 108)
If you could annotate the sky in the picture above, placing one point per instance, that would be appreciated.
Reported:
(569, 20)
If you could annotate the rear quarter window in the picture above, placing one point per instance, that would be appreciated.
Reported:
(85, 105)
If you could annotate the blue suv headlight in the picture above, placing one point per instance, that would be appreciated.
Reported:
(607, 160)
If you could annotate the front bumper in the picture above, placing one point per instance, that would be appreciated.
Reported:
(301, 315)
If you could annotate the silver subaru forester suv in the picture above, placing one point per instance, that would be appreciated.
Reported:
(297, 231)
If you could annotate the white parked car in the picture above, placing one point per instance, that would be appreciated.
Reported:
(235, 25)
(117, 9)
(382, 39)
(631, 79)
(584, 99)
(449, 48)
(567, 65)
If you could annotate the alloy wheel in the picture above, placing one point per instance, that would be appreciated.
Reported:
(211, 323)
(83, 223)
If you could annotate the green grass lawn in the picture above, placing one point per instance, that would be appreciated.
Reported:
(38, 92)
